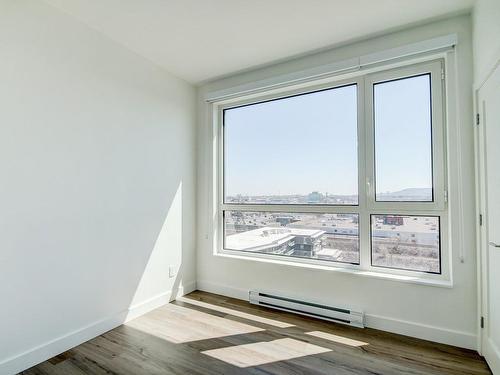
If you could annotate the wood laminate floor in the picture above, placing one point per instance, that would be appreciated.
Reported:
(205, 333)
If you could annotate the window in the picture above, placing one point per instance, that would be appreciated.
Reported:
(347, 173)
(406, 242)
(403, 139)
(291, 150)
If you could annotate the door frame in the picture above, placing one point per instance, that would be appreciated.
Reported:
(481, 217)
(481, 212)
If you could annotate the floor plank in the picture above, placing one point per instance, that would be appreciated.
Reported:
(204, 333)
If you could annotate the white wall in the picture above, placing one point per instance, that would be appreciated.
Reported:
(435, 313)
(486, 37)
(97, 176)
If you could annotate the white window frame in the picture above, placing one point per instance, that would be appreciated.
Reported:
(437, 120)
(367, 205)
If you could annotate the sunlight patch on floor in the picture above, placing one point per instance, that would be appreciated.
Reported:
(225, 310)
(260, 353)
(179, 324)
(338, 339)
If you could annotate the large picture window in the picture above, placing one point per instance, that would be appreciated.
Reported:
(349, 173)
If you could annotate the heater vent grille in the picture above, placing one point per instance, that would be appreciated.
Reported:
(331, 313)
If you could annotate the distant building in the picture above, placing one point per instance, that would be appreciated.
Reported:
(315, 197)
(393, 220)
(281, 241)
(285, 220)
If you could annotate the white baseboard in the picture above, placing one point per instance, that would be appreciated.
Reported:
(152, 303)
(422, 331)
(492, 354)
(223, 290)
(413, 329)
(29, 358)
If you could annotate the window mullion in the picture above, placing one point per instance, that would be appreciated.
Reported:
(364, 171)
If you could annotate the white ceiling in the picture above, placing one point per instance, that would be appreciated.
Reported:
(199, 40)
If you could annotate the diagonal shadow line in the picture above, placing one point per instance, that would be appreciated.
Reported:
(265, 333)
(261, 322)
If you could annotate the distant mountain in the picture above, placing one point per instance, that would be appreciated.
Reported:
(412, 191)
(409, 194)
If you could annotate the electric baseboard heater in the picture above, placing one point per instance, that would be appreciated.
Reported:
(340, 315)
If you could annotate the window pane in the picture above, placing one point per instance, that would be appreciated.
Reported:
(332, 237)
(403, 139)
(406, 242)
(296, 150)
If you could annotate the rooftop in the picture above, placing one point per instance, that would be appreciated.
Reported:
(413, 224)
(261, 238)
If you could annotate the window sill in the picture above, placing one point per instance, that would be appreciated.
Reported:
(421, 280)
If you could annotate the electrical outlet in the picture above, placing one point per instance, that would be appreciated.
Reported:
(172, 271)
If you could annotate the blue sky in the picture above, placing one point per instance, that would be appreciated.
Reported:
(403, 134)
(309, 142)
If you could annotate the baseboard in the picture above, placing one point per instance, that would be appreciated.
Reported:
(30, 358)
(492, 354)
(223, 290)
(418, 330)
(422, 331)
(144, 307)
